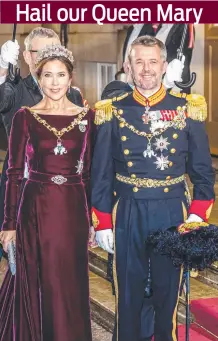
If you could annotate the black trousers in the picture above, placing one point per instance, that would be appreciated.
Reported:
(137, 317)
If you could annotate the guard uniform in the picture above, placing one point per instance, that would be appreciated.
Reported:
(143, 150)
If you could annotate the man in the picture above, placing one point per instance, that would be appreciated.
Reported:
(147, 140)
(25, 92)
(171, 36)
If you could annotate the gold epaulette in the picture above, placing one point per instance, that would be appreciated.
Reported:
(104, 109)
(178, 94)
(196, 107)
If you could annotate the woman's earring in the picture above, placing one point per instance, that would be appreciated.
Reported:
(69, 89)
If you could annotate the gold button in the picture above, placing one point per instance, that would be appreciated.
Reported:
(123, 138)
(122, 125)
(115, 193)
(170, 164)
(130, 164)
(133, 176)
(120, 112)
(173, 150)
(168, 177)
(175, 136)
(135, 189)
(126, 151)
(186, 193)
(166, 190)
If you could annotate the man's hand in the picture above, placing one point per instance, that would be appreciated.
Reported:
(193, 218)
(174, 72)
(6, 237)
(105, 240)
(9, 54)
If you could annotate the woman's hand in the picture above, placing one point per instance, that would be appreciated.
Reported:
(6, 237)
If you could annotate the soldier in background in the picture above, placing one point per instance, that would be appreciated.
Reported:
(170, 35)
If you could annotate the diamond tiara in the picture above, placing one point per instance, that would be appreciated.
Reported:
(54, 51)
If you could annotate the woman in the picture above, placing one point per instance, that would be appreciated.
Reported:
(51, 296)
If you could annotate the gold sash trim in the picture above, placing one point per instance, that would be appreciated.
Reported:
(149, 183)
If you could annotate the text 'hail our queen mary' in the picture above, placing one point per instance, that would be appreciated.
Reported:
(101, 14)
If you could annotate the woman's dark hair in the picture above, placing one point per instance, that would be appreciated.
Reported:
(64, 60)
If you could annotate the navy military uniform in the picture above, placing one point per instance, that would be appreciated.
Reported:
(114, 89)
(143, 150)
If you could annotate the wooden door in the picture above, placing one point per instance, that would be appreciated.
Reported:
(211, 84)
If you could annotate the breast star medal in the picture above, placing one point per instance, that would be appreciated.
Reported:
(161, 143)
(162, 162)
(79, 167)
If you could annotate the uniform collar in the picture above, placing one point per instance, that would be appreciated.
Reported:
(151, 100)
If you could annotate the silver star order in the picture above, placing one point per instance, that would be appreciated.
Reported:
(161, 143)
(79, 167)
(162, 162)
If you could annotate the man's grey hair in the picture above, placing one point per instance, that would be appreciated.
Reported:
(148, 41)
(40, 32)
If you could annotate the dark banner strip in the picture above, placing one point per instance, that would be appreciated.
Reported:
(109, 12)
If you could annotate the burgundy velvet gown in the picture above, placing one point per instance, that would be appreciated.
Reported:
(48, 300)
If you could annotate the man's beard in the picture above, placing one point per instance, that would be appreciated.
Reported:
(148, 84)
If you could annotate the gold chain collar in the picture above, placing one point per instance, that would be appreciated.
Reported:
(59, 133)
(149, 136)
(152, 100)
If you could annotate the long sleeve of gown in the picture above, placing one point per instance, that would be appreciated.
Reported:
(17, 148)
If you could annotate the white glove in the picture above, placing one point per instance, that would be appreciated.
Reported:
(105, 240)
(9, 53)
(193, 218)
(174, 72)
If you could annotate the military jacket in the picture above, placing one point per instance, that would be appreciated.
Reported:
(144, 148)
